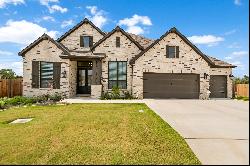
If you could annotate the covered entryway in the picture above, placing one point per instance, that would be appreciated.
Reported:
(218, 86)
(168, 85)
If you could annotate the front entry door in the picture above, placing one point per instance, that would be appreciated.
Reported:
(84, 77)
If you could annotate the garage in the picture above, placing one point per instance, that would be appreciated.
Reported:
(218, 86)
(168, 85)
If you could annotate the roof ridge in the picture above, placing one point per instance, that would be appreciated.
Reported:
(39, 39)
(117, 28)
(85, 20)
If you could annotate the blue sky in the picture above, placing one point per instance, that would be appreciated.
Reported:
(220, 28)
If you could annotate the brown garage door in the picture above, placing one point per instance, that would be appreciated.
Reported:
(163, 85)
(218, 86)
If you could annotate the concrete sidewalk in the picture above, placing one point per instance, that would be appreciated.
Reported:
(90, 100)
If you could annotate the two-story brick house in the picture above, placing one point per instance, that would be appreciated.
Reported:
(86, 60)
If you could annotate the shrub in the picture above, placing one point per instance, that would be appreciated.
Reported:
(20, 100)
(116, 93)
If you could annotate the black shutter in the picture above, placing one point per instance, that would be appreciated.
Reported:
(117, 41)
(81, 41)
(56, 75)
(167, 51)
(35, 74)
(90, 41)
(177, 51)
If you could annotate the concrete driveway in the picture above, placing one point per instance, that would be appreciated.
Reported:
(216, 130)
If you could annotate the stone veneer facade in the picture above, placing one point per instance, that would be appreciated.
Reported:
(49, 52)
(153, 60)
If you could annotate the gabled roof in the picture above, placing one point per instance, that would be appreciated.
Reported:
(44, 37)
(85, 21)
(117, 29)
(174, 30)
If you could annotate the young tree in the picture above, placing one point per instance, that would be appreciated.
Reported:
(7, 74)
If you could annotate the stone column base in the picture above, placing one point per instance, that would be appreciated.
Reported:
(96, 91)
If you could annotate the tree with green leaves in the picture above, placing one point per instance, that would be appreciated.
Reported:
(7, 74)
(244, 80)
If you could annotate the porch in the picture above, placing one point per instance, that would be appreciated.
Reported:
(85, 75)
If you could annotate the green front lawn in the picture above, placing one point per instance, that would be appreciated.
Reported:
(90, 134)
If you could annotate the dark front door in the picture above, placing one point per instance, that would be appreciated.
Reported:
(84, 77)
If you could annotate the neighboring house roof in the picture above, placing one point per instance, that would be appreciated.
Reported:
(44, 37)
(117, 29)
(85, 21)
(144, 42)
(174, 30)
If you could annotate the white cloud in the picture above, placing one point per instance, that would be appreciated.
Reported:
(135, 19)
(209, 40)
(230, 32)
(6, 53)
(237, 2)
(240, 53)
(234, 45)
(135, 30)
(236, 55)
(67, 23)
(55, 8)
(16, 66)
(46, 2)
(48, 18)
(133, 23)
(98, 17)
(22, 32)
(3, 3)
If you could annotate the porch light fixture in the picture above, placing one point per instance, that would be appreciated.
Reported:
(231, 76)
(64, 74)
(205, 75)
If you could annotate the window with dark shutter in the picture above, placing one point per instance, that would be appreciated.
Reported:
(56, 75)
(118, 42)
(35, 74)
(81, 41)
(172, 51)
(90, 41)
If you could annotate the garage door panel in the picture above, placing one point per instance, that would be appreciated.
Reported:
(218, 86)
(165, 85)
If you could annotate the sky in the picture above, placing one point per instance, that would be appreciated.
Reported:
(219, 28)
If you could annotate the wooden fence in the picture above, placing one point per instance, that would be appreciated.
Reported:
(241, 90)
(11, 87)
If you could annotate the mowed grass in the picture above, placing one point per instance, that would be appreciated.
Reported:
(90, 134)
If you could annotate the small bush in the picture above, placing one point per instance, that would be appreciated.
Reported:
(116, 93)
(20, 100)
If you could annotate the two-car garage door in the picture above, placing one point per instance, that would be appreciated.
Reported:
(166, 85)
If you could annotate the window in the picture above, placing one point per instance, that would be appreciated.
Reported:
(117, 75)
(172, 51)
(117, 41)
(46, 74)
(86, 41)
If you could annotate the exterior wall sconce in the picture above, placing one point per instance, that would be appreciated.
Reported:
(64, 74)
(205, 75)
(231, 76)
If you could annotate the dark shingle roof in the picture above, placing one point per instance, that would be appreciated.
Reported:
(220, 63)
(144, 42)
